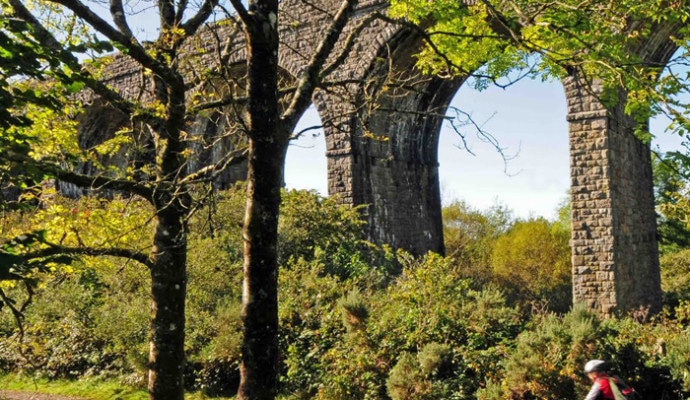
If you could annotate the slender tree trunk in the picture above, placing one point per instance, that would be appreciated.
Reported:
(267, 148)
(168, 291)
(169, 255)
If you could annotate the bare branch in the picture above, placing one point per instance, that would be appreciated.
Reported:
(118, 14)
(212, 171)
(310, 77)
(242, 12)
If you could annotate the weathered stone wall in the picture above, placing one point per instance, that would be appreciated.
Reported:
(383, 154)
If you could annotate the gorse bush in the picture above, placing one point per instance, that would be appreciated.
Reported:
(549, 355)
(427, 323)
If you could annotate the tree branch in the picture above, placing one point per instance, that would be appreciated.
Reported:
(118, 13)
(192, 25)
(212, 171)
(311, 76)
(81, 180)
(132, 46)
(45, 37)
(242, 12)
(55, 249)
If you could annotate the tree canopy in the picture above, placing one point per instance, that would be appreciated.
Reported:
(624, 44)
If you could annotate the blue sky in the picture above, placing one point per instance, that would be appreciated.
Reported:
(527, 119)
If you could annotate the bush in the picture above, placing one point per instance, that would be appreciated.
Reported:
(429, 325)
(356, 321)
(675, 276)
(548, 358)
(532, 263)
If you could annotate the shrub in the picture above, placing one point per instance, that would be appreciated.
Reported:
(532, 263)
(429, 325)
(675, 276)
(548, 357)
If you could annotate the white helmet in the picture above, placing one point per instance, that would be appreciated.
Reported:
(594, 365)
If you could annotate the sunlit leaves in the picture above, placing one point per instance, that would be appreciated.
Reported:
(20, 57)
(598, 39)
(533, 259)
(52, 135)
(96, 223)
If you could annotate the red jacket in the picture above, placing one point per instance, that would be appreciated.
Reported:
(605, 388)
(601, 389)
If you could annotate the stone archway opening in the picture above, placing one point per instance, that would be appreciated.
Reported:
(305, 163)
(514, 151)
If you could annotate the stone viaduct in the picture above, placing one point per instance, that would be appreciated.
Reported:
(614, 245)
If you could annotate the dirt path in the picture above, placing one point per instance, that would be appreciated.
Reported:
(14, 395)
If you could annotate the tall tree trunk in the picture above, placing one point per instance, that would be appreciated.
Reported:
(267, 148)
(169, 255)
(168, 291)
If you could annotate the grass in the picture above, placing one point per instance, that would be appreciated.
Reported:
(89, 388)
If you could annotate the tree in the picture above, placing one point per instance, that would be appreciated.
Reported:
(269, 131)
(595, 40)
(670, 186)
(163, 120)
(532, 261)
(469, 236)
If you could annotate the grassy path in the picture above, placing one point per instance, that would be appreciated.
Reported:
(16, 395)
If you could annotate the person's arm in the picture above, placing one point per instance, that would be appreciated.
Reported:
(594, 392)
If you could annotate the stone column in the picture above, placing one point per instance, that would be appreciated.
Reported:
(385, 159)
(614, 244)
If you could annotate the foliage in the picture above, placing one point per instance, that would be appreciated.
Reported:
(532, 261)
(23, 57)
(677, 359)
(594, 40)
(549, 355)
(424, 332)
(469, 236)
(91, 318)
(317, 228)
(675, 276)
(428, 323)
(670, 194)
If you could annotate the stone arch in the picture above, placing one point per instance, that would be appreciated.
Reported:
(381, 143)
(383, 151)
(614, 244)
